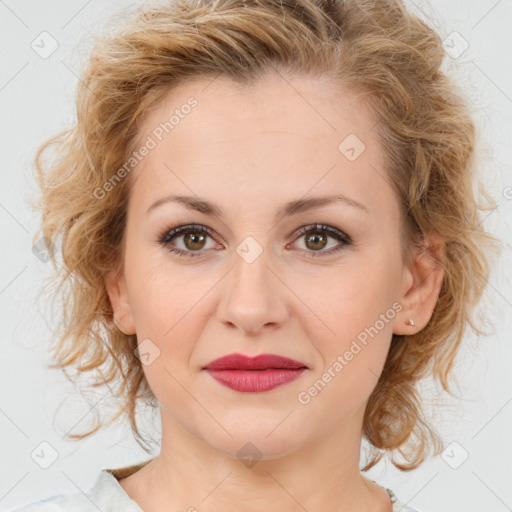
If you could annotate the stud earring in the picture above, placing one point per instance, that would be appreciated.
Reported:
(409, 321)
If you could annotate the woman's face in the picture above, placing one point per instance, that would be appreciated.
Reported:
(250, 284)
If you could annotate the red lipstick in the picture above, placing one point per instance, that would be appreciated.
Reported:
(254, 374)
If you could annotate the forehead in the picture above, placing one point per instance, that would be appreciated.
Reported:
(280, 134)
(273, 102)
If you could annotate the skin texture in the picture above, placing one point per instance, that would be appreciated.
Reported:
(250, 150)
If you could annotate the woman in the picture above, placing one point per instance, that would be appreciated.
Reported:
(268, 230)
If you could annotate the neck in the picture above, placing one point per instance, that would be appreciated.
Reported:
(191, 475)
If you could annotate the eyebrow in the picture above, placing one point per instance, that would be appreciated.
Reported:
(290, 208)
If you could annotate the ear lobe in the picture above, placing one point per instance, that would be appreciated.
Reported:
(115, 285)
(424, 279)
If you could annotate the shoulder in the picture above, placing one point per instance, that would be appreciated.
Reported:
(399, 506)
(77, 502)
(106, 495)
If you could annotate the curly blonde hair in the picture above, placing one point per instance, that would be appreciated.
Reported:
(378, 50)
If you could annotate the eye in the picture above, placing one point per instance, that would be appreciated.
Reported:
(194, 237)
(316, 239)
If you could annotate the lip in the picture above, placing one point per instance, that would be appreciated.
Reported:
(261, 362)
(254, 374)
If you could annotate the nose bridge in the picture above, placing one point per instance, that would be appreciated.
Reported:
(253, 296)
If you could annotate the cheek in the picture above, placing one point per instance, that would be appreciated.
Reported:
(164, 313)
(354, 310)
(353, 350)
(351, 296)
(168, 307)
(158, 293)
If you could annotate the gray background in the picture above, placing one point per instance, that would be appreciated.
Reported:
(36, 100)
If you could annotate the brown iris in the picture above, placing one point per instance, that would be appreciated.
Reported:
(316, 240)
(196, 240)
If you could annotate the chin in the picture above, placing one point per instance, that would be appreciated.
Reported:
(253, 444)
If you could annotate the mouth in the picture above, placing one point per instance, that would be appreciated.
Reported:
(252, 375)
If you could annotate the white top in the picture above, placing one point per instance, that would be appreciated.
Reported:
(107, 495)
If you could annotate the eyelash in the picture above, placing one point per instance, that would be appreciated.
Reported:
(168, 235)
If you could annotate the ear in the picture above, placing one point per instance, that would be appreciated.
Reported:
(115, 285)
(421, 284)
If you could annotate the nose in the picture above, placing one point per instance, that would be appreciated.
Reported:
(253, 297)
